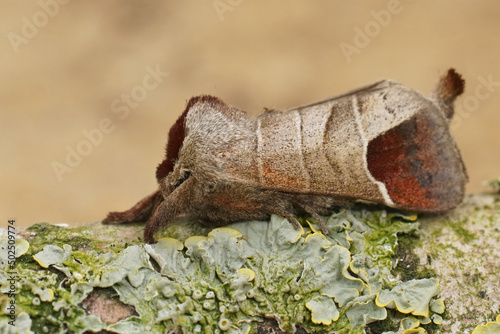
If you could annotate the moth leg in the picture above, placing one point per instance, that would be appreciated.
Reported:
(283, 209)
(140, 212)
(283, 213)
(315, 215)
(160, 217)
(152, 227)
(180, 201)
(294, 220)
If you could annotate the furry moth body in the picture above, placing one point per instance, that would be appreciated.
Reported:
(382, 143)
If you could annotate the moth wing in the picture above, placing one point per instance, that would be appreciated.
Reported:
(419, 164)
(397, 152)
(416, 159)
(383, 143)
(317, 149)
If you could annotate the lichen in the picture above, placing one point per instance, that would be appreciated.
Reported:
(495, 184)
(18, 247)
(462, 249)
(323, 310)
(52, 255)
(225, 281)
(410, 297)
(492, 327)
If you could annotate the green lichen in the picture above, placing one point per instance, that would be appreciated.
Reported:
(459, 229)
(323, 310)
(495, 184)
(83, 238)
(492, 327)
(225, 281)
(12, 246)
(410, 297)
(52, 255)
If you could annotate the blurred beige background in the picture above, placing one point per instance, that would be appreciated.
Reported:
(83, 68)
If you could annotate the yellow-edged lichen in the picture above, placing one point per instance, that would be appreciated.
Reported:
(492, 327)
(323, 310)
(230, 279)
(410, 297)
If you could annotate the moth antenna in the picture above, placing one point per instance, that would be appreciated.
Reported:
(447, 89)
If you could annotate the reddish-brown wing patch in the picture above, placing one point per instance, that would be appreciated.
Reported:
(407, 159)
(231, 203)
(280, 179)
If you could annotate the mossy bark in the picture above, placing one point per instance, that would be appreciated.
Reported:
(461, 249)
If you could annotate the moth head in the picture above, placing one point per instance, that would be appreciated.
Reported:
(187, 153)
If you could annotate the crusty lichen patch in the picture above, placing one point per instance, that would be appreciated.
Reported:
(230, 278)
(465, 253)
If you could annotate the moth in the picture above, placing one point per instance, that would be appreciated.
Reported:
(383, 143)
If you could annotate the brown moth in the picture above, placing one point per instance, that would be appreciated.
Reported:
(382, 143)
